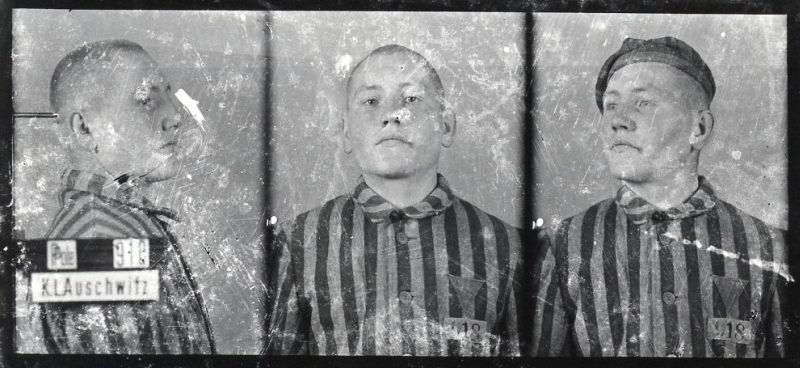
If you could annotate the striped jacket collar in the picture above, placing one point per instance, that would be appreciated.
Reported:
(122, 190)
(378, 209)
(639, 210)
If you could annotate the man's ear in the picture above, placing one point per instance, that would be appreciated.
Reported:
(448, 125)
(80, 130)
(347, 146)
(702, 129)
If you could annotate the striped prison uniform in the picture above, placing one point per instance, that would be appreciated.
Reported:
(96, 207)
(359, 276)
(702, 279)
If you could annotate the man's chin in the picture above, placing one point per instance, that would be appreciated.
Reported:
(390, 173)
(628, 174)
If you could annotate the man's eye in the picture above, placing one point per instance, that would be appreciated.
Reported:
(644, 103)
(142, 96)
(410, 99)
(610, 107)
(370, 102)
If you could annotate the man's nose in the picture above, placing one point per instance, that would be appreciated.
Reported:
(392, 116)
(175, 115)
(172, 122)
(620, 121)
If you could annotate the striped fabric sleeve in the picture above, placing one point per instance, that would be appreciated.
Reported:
(774, 320)
(774, 330)
(550, 324)
(285, 333)
(87, 219)
(510, 336)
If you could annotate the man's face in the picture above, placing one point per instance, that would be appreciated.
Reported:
(137, 130)
(647, 121)
(395, 124)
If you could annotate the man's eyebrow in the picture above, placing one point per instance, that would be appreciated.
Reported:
(406, 85)
(368, 87)
(649, 87)
(612, 93)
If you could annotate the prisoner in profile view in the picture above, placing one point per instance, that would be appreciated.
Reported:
(121, 129)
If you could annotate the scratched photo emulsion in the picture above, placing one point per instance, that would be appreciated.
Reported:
(139, 207)
(396, 183)
(660, 157)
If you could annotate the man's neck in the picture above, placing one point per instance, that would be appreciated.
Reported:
(403, 192)
(667, 193)
(94, 167)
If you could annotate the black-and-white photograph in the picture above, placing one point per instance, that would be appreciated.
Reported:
(397, 180)
(400, 183)
(661, 168)
(131, 125)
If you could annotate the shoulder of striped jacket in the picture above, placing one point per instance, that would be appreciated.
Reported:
(493, 218)
(515, 235)
(94, 208)
(289, 224)
(760, 222)
(562, 225)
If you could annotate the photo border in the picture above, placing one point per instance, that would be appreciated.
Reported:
(8, 247)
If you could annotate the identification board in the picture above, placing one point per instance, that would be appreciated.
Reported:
(103, 286)
(92, 270)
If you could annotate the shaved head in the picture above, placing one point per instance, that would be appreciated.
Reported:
(116, 111)
(397, 119)
(87, 74)
(391, 50)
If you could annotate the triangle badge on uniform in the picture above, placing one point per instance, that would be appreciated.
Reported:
(730, 289)
(466, 290)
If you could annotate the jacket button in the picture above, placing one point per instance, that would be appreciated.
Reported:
(401, 238)
(405, 297)
(668, 298)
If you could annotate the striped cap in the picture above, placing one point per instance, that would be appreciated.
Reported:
(667, 50)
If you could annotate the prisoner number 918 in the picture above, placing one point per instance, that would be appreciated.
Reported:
(730, 329)
(131, 253)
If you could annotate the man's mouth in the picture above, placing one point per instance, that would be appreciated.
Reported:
(618, 146)
(170, 146)
(393, 139)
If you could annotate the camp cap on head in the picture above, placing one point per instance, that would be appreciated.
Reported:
(667, 50)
